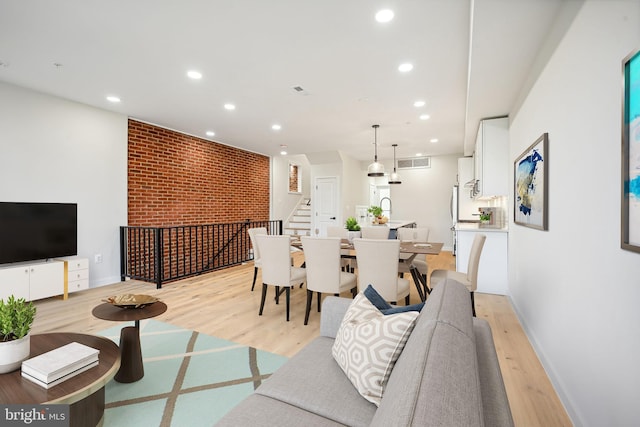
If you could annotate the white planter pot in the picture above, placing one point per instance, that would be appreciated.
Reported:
(353, 235)
(12, 353)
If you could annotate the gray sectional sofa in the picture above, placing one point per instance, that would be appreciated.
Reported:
(447, 375)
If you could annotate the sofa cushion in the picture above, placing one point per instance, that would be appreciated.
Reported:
(262, 411)
(495, 405)
(368, 344)
(311, 380)
(333, 310)
(435, 380)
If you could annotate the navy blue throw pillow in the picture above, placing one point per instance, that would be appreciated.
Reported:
(385, 308)
(403, 308)
(374, 298)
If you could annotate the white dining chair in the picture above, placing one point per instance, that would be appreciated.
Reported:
(324, 275)
(347, 261)
(378, 267)
(257, 263)
(417, 234)
(375, 232)
(275, 253)
(468, 278)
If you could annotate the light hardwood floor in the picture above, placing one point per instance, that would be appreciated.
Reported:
(221, 304)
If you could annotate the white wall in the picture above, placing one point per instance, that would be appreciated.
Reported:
(576, 292)
(425, 196)
(352, 185)
(53, 150)
(284, 203)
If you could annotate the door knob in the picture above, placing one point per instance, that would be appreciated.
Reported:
(333, 217)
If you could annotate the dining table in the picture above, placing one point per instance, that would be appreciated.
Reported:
(406, 247)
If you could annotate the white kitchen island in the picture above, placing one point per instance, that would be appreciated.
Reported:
(492, 271)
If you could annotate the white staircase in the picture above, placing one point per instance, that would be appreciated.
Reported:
(300, 222)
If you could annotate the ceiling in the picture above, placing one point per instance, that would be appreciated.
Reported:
(471, 60)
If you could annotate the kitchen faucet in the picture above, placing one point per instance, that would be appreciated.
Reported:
(389, 199)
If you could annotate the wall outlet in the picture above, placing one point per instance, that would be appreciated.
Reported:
(98, 258)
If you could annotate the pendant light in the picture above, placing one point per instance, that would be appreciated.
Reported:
(375, 168)
(394, 178)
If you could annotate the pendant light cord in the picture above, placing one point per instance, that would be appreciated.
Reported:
(375, 142)
(394, 157)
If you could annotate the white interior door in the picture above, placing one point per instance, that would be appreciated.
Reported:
(325, 204)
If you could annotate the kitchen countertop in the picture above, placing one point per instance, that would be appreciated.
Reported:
(477, 227)
(395, 224)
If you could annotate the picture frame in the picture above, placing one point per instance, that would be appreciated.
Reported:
(630, 179)
(531, 185)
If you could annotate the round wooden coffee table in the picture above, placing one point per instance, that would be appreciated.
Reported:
(131, 367)
(84, 393)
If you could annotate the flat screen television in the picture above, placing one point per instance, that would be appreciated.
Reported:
(35, 231)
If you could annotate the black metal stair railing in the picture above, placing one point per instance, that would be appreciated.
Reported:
(163, 254)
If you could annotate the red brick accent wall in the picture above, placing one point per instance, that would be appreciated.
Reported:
(178, 179)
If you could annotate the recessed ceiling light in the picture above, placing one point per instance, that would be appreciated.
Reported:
(418, 154)
(405, 68)
(425, 117)
(384, 15)
(211, 133)
(276, 127)
(419, 104)
(195, 75)
(283, 153)
(113, 99)
(229, 107)
(433, 140)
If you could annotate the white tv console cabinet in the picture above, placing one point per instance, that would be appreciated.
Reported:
(76, 274)
(43, 279)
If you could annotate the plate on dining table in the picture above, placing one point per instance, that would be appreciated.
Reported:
(422, 245)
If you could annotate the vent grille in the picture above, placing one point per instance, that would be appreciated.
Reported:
(415, 163)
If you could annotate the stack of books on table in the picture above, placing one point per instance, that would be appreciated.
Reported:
(58, 365)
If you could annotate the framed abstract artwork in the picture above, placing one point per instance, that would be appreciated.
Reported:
(531, 185)
(630, 235)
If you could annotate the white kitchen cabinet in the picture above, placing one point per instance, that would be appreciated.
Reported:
(491, 158)
(465, 171)
(76, 274)
(32, 281)
(492, 270)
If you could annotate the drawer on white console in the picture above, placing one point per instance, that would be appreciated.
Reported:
(78, 285)
(77, 264)
(77, 274)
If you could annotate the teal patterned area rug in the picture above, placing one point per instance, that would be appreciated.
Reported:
(190, 379)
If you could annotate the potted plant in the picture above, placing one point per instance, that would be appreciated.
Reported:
(353, 228)
(16, 318)
(485, 217)
(378, 218)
